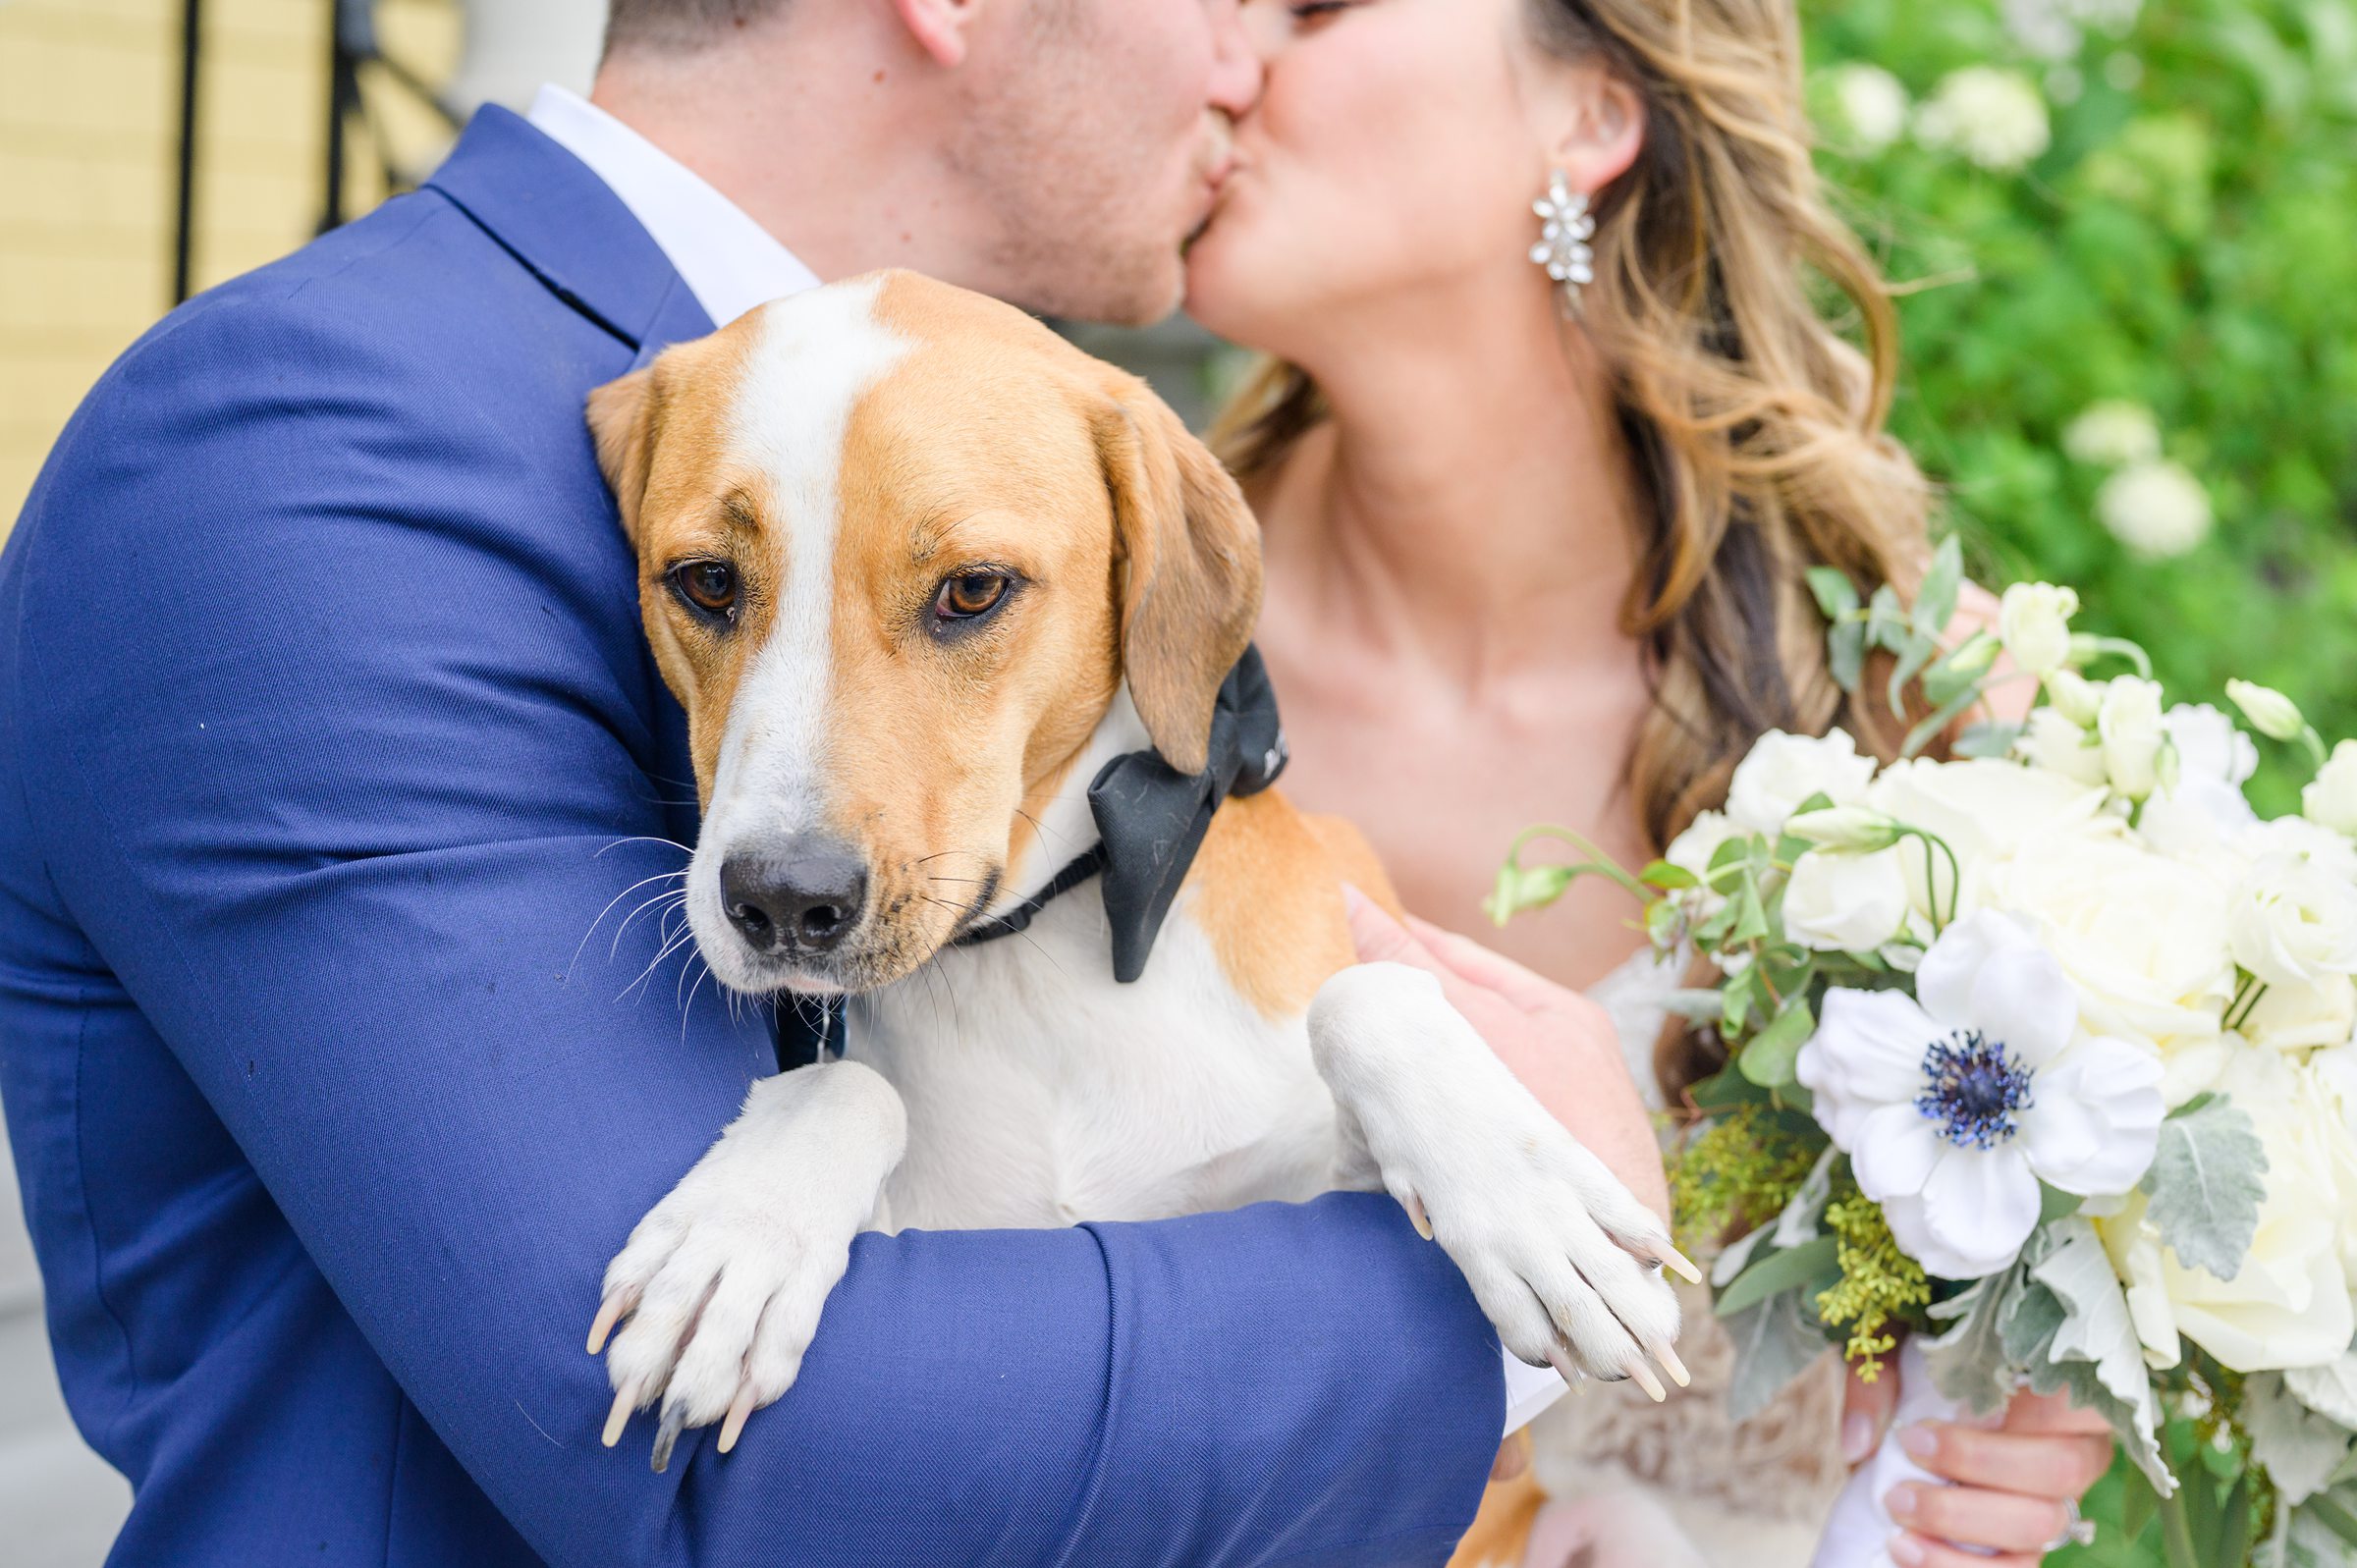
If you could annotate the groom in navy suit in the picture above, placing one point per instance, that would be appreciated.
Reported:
(327, 734)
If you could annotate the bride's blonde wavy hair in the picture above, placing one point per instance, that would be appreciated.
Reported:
(1759, 427)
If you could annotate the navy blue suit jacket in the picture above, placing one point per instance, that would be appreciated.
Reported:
(326, 733)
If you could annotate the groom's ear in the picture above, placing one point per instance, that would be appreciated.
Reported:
(938, 26)
(622, 415)
(1186, 560)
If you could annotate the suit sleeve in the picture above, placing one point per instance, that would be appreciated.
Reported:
(343, 748)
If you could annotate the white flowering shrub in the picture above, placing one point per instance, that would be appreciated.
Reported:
(2130, 319)
(2042, 1056)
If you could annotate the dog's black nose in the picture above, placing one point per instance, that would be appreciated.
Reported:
(801, 897)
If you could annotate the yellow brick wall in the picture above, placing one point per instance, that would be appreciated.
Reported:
(90, 114)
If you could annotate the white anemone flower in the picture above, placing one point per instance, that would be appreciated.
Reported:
(1953, 1105)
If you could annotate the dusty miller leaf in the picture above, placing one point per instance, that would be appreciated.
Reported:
(2207, 1182)
(1775, 1342)
(2299, 1448)
(1968, 1361)
(2093, 1354)
(2331, 1391)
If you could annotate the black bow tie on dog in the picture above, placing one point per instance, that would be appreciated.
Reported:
(1151, 819)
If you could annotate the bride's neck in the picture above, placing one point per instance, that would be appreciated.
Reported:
(1470, 502)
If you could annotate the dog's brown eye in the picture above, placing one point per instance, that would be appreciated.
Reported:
(707, 585)
(969, 594)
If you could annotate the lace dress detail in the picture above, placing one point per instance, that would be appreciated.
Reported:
(1748, 1495)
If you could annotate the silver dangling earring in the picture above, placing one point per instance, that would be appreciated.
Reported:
(1562, 247)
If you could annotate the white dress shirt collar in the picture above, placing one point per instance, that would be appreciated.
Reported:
(729, 262)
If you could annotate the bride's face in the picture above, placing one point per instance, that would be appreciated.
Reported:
(1394, 149)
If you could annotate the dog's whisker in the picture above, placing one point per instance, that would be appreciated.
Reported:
(673, 900)
(687, 1007)
(663, 875)
(654, 963)
(646, 839)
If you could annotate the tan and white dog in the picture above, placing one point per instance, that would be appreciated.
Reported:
(917, 569)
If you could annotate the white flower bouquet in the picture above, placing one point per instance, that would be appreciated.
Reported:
(2039, 1063)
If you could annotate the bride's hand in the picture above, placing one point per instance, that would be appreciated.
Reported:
(1562, 1045)
(2013, 1483)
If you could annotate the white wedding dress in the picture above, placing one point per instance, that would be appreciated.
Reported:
(1679, 1484)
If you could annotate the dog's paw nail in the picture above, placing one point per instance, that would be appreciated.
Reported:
(1416, 1216)
(1675, 1368)
(1678, 1263)
(608, 1313)
(666, 1434)
(1645, 1379)
(625, 1399)
(735, 1424)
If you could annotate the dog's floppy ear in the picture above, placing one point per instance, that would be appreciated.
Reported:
(1188, 562)
(622, 420)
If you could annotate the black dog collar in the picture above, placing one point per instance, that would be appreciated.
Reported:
(1151, 819)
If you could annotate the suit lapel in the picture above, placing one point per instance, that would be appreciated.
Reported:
(547, 209)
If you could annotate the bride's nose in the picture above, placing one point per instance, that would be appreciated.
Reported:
(1236, 62)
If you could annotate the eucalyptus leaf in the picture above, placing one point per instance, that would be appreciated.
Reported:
(1913, 655)
(1935, 595)
(1776, 1341)
(1923, 734)
(1735, 1257)
(1988, 738)
(1846, 654)
(1797, 1267)
(2206, 1185)
(1837, 596)
(1888, 624)
(1769, 1061)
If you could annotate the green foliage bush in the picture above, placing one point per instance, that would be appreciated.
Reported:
(2187, 240)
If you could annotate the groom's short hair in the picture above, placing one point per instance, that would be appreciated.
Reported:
(679, 23)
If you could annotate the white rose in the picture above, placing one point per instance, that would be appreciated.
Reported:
(2142, 938)
(2332, 1076)
(1871, 103)
(2288, 1305)
(2133, 735)
(2292, 917)
(2050, 741)
(1839, 903)
(2299, 1017)
(1994, 117)
(2113, 435)
(2199, 813)
(2331, 800)
(2033, 621)
(1982, 808)
(1783, 771)
(2157, 507)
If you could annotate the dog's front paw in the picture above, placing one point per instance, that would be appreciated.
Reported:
(723, 1281)
(1563, 1260)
